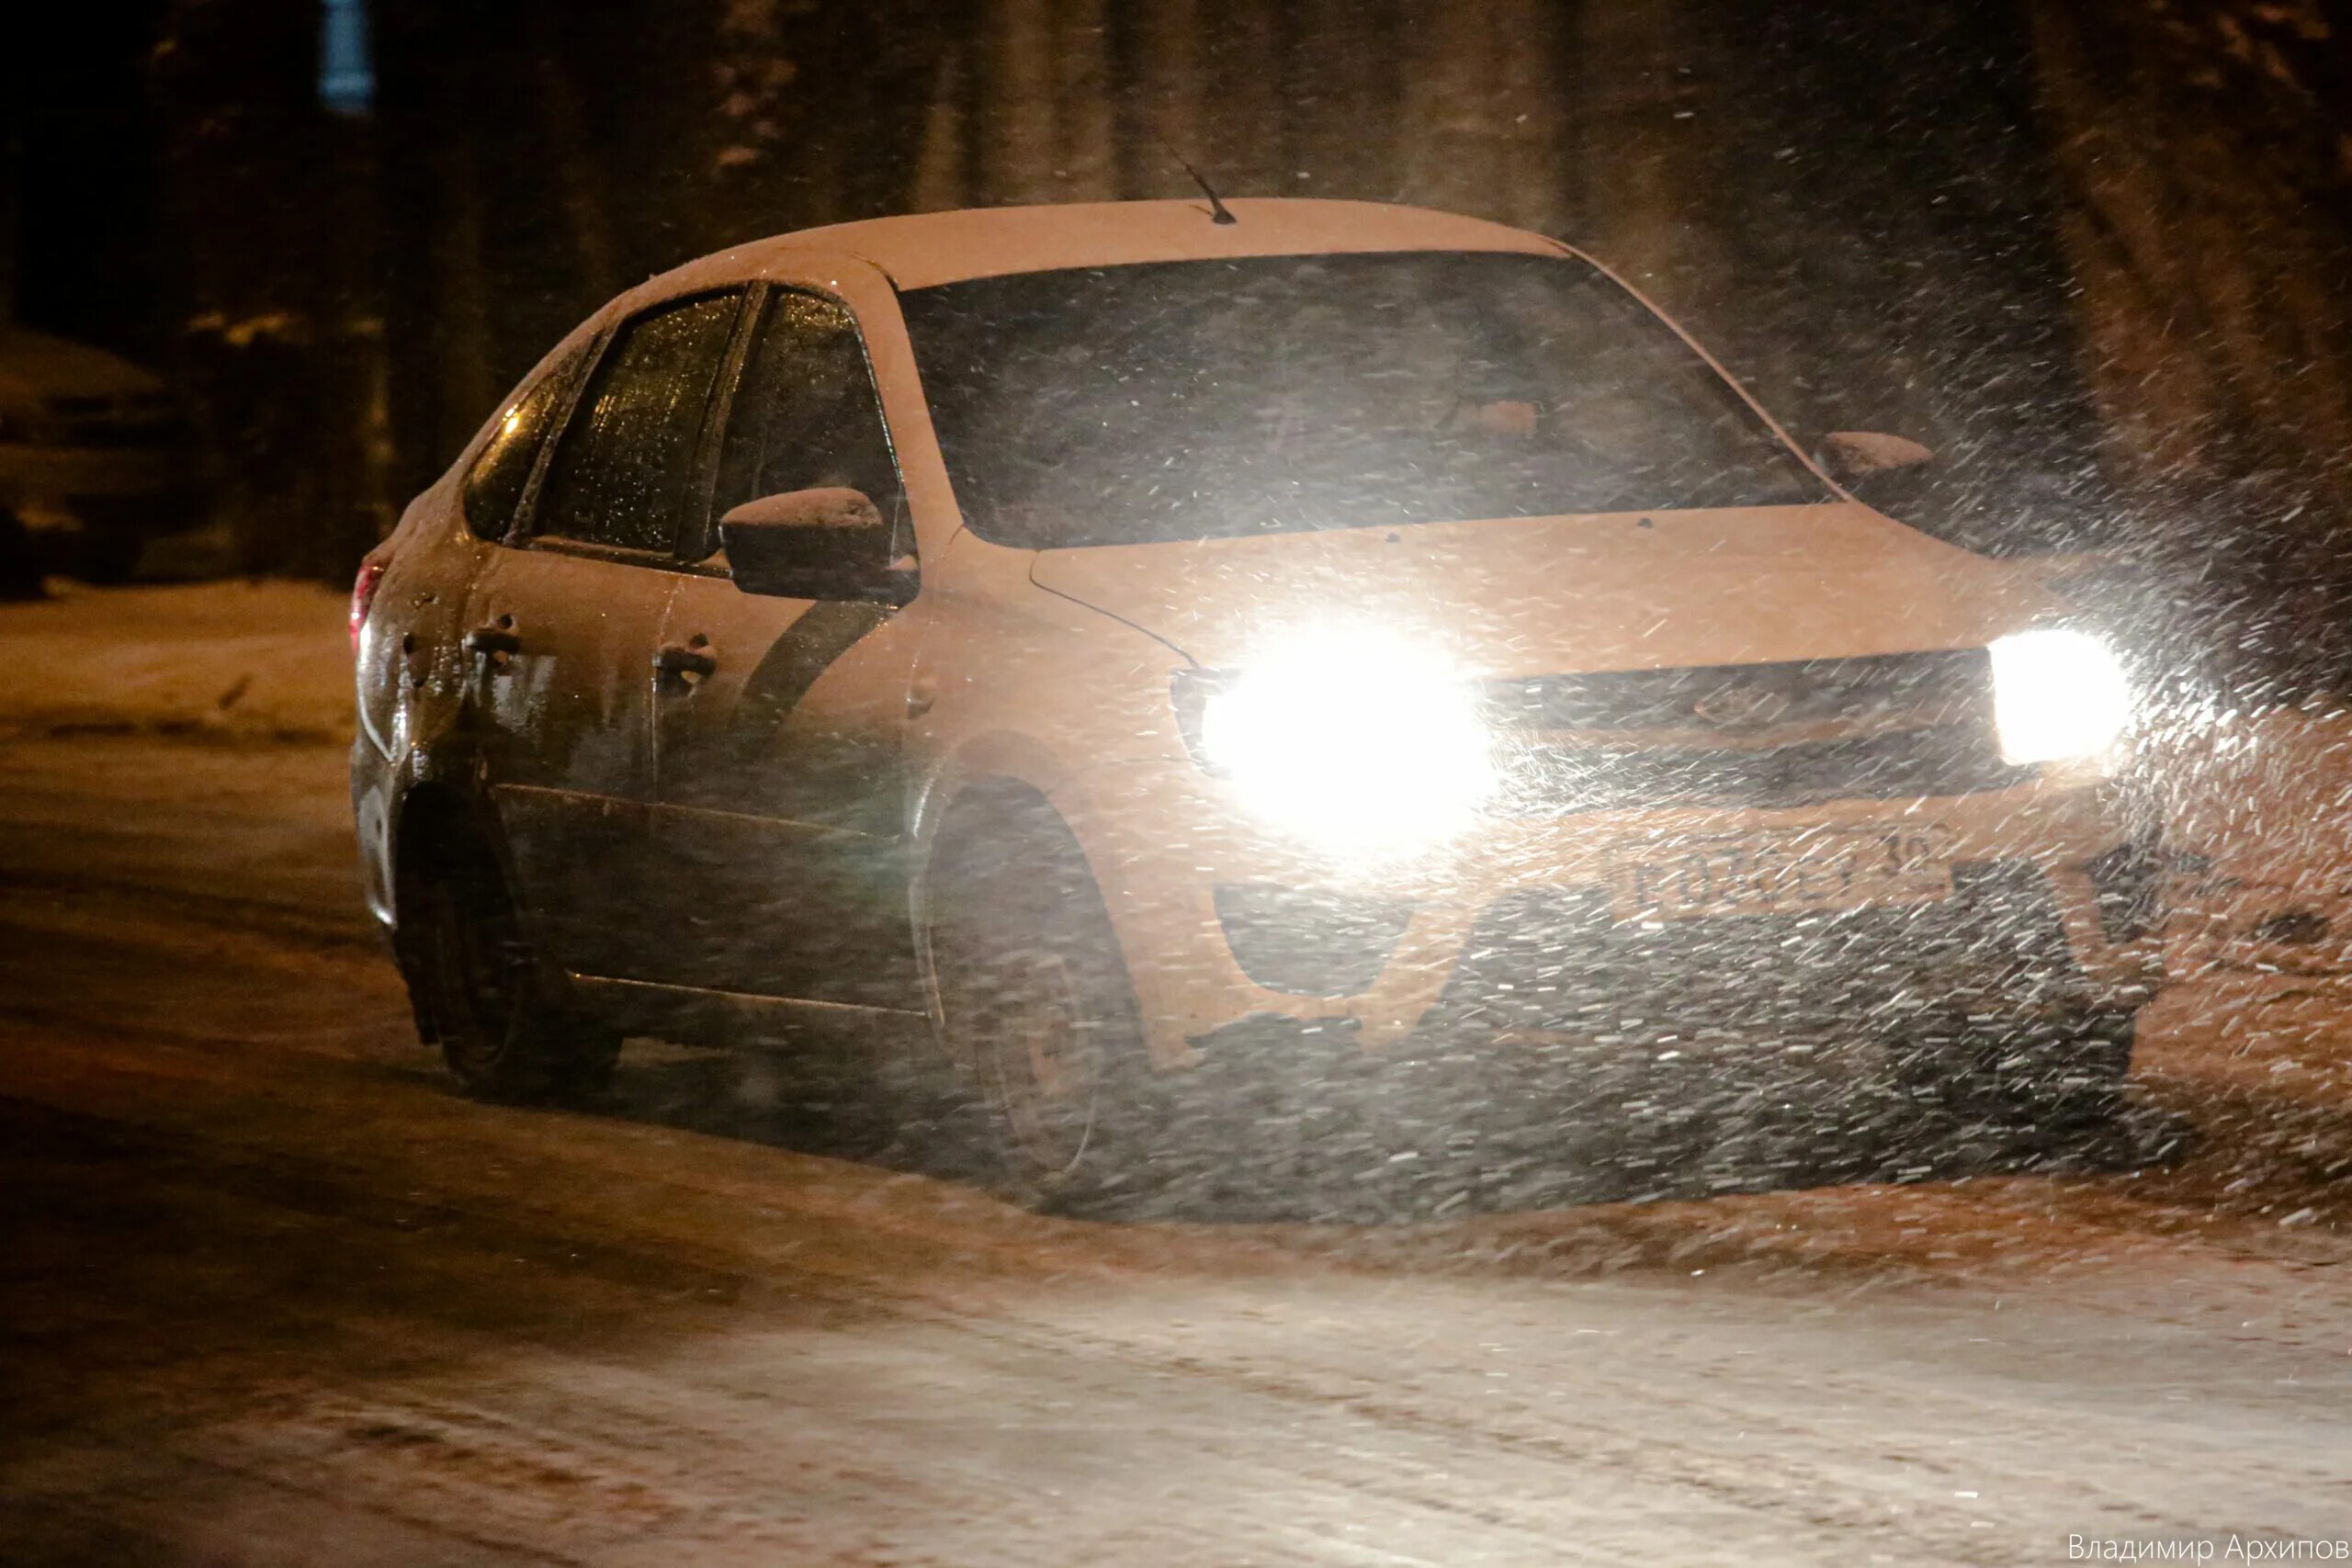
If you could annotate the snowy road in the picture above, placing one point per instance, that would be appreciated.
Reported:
(274, 1295)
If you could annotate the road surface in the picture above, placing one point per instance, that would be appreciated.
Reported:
(274, 1295)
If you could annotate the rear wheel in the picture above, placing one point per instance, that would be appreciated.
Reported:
(1037, 1009)
(503, 1023)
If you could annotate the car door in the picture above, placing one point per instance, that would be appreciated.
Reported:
(564, 620)
(777, 722)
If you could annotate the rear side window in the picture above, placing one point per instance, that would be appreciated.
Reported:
(625, 460)
(806, 414)
(493, 486)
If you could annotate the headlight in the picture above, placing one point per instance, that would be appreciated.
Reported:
(2057, 695)
(1357, 740)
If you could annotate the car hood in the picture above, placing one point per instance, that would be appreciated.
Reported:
(1526, 597)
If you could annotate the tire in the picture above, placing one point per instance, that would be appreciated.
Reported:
(1037, 1012)
(501, 1018)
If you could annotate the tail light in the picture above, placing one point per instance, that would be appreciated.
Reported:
(363, 597)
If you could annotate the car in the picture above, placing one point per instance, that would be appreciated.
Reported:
(95, 455)
(1137, 654)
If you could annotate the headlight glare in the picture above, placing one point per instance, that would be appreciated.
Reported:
(1359, 742)
(2058, 694)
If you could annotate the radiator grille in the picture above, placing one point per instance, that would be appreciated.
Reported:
(1900, 726)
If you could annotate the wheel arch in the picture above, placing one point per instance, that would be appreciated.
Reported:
(971, 801)
(436, 816)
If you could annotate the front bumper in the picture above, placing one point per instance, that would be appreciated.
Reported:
(1509, 931)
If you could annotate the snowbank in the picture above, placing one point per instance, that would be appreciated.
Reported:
(237, 660)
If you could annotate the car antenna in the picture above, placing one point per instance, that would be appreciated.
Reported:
(1219, 211)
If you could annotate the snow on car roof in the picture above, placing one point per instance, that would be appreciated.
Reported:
(930, 248)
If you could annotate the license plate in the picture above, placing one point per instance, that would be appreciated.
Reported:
(1778, 873)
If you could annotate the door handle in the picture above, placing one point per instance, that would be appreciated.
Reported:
(675, 658)
(491, 641)
(920, 695)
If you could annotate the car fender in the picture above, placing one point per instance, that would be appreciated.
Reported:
(454, 772)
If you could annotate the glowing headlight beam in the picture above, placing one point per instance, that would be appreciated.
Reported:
(1360, 741)
(2058, 694)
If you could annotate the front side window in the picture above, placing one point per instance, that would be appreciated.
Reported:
(624, 464)
(806, 414)
(493, 486)
(1274, 394)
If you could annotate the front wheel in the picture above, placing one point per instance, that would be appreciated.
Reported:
(1037, 1010)
(500, 1017)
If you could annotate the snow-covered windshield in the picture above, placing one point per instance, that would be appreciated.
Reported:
(1209, 398)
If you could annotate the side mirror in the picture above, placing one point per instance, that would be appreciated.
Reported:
(814, 544)
(1851, 455)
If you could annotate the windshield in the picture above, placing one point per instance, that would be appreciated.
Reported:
(1209, 398)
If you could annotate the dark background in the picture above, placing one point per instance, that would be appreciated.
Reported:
(2094, 251)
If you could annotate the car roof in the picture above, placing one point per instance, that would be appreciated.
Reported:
(924, 249)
